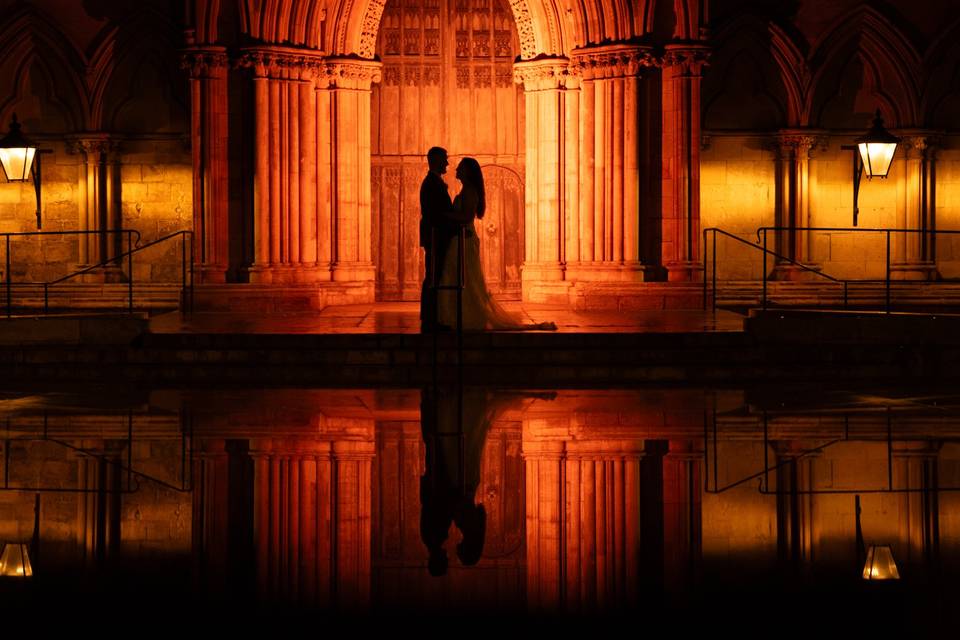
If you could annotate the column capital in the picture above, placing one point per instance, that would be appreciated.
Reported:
(690, 57)
(612, 61)
(91, 143)
(280, 63)
(204, 62)
(918, 143)
(544, 74)
(349, 73)
(802, 142)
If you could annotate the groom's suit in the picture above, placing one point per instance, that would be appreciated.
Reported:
(435, 205)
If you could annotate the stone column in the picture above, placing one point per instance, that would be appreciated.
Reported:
(915, 470)
(549, 92)
(208, 68)
(793, 152)
(682, 71)
(609, 164)
(345, 113)
(99, 205)
(913, 253)
(289, 157)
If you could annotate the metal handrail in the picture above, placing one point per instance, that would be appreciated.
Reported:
(761, 245)
(186, 265)
(886, 231)
(765, 251)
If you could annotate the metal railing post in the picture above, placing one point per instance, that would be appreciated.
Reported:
(887, 292)
(9, 300)
(764, 274)
(130, 268)
(191, 277)
(705, 269)
(183, 269)
(714, 270)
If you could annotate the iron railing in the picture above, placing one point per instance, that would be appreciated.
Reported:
(133, 247)
(762, 246)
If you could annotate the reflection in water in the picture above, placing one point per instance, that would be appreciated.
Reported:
(568, 501)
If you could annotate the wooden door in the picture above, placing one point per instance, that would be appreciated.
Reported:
(448, 82)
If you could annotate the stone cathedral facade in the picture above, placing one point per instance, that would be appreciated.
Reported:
(289, 137)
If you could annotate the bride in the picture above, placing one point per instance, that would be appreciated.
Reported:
(480, 311)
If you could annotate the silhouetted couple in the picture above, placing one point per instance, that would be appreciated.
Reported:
(441, 220)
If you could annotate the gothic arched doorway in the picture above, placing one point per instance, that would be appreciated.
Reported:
(447, 81)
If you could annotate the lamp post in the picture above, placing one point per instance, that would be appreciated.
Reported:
(873, 155)
(20, 160)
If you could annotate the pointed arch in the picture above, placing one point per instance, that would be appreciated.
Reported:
(940, 100)
(885, 51)
(353, 26)
(786, 74)
(147, 37)
(31, 42)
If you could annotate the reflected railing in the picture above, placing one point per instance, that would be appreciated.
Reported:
(711, 448)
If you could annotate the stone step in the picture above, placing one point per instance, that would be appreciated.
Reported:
(87, 296)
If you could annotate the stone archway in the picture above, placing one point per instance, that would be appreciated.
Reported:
(447, 80)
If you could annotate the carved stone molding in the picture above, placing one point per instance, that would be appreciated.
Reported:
(280, 63)
(348, 73)
(370, 27)
(92, 144)
(921, 144)
(691, 58)
(802, 143)
(204, 62)
(525, 31)
(612, 61)
(545, 74)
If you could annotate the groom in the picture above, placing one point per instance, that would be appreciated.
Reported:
(438, 228)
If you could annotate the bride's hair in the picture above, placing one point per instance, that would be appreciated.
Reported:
(474, 176)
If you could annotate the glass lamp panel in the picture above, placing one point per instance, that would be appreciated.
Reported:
(15, 561)
(16, 162)
(877, 157)
(880, 564)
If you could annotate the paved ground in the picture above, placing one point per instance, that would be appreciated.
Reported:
(403, 317)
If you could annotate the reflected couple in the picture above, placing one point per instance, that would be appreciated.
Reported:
(454, 423)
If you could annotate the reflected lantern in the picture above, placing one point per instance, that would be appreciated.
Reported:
(15, 561)
(880, 564)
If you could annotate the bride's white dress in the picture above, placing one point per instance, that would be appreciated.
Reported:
(480, 311)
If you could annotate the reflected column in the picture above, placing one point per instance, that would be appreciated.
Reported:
(797, 533)
(683, 515)
(583, 520)
(916, 470)
(312, 514)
